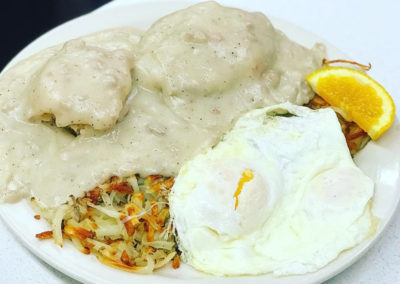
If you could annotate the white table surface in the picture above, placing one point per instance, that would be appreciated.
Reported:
(367, 31)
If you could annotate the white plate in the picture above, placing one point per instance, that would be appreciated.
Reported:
(381, 161)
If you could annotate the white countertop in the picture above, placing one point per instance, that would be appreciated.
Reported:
(367, 31)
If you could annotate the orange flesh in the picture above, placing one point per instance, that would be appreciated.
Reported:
(247, 176)
(349, 94)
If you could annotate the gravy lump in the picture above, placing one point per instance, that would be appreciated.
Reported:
(82, 85)
(194, 73)
(201, 51)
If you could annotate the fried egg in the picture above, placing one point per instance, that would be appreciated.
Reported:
(280, 193)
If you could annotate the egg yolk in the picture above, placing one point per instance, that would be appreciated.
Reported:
(247, 176)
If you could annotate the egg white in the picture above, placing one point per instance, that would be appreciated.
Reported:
(306, 201)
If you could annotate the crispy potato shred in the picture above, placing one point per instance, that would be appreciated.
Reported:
(125, 222)
(356, 138)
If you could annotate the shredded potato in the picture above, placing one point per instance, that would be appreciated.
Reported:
(125, 222)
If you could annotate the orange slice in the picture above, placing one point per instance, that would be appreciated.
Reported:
(362, 99)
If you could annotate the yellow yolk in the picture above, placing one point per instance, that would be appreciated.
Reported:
(247, 176)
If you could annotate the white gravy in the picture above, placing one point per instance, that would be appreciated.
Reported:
(158, 98)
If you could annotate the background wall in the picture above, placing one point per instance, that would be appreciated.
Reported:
(22, 21)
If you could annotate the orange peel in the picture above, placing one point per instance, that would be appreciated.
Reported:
(362, 99)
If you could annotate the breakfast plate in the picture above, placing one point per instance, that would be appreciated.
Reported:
(379, 160)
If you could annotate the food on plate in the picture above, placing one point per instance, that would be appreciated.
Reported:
(40, 152)
(301, 199)
(360, 97)
(81, 85)
(192, 77)
(264, 185)
(124, 222)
